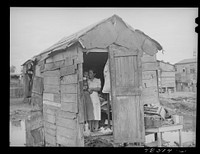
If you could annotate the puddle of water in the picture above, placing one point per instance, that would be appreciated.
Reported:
(17, 133)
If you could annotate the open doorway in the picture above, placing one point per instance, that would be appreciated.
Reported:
(97, 62)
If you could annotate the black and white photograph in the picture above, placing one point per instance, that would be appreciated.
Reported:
(103, 77)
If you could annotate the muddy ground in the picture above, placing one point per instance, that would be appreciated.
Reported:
(181, 103)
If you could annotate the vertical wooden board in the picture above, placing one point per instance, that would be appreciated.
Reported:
(168, 74)
(69, 89)
(69, 79)
(80, 136)
(126, 122)
(65, 141)
(36, 101)
(70, 107)
(37, 71)
(81, 103)
(67, 123)
(54, 73)
(52, 89)
(50, 111)
(50, 103)
(68, 98)
(37, 85)
(50, 139)
(52, 80)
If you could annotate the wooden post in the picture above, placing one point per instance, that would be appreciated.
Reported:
(159, 139)
(108, 110)
(180, 139)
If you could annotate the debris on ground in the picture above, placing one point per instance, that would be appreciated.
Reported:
(97, 142)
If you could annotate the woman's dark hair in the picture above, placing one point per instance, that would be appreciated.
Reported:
(93, 70)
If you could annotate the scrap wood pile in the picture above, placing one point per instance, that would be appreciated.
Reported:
(156, 116)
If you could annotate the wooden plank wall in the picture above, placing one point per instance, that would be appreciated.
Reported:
(60, 98)
(149, 79)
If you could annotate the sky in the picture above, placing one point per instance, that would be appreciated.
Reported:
(32, 29)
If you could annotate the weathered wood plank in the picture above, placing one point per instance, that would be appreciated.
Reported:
(67, 115)
(149, 83)
(58, 57)
(49, 60)
(69, 79)
(69, 61)
(149, 66)
(69, 89)
(52, 97)
(49, 125)
(51, 111)
(67, 123)
(55, 73)
(37, 85)
(65, 141)
(148, 75)
(71, 107)
(50, 131)
(68, 70)
(50, 139)
(52, 89)
(66, 132)
(46, 102)
(120, 53)
(168, 74)
(52, 80)
(54, 65)
(100, 37)
(147, 58)
(49, 118)
(68, 97)
(36, 101)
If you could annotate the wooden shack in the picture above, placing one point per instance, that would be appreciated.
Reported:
(166, 76)
(59, 70)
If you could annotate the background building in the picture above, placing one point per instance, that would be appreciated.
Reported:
(186, 75)
(166, 76)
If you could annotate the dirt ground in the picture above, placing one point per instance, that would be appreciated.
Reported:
(181, 103)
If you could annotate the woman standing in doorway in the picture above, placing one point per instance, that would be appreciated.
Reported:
(94, 85)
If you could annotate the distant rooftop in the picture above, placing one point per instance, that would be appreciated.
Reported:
(190, 60)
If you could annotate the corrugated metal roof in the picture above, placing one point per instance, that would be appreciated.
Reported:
(190, 60)
(70, 40)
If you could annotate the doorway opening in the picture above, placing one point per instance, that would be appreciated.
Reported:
(97, 61)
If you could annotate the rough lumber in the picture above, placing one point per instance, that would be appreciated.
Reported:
(49, 118)
(67, 123)
(69, 79)
(52, 89)
(66, 114)
(69, 89)
(68, 97)
(149, 66)
(52, 97)
(68, 70)
(55, 73)
(71, 107)
(50, 139)
(46, 102)
(65, 141)
(52, 80)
